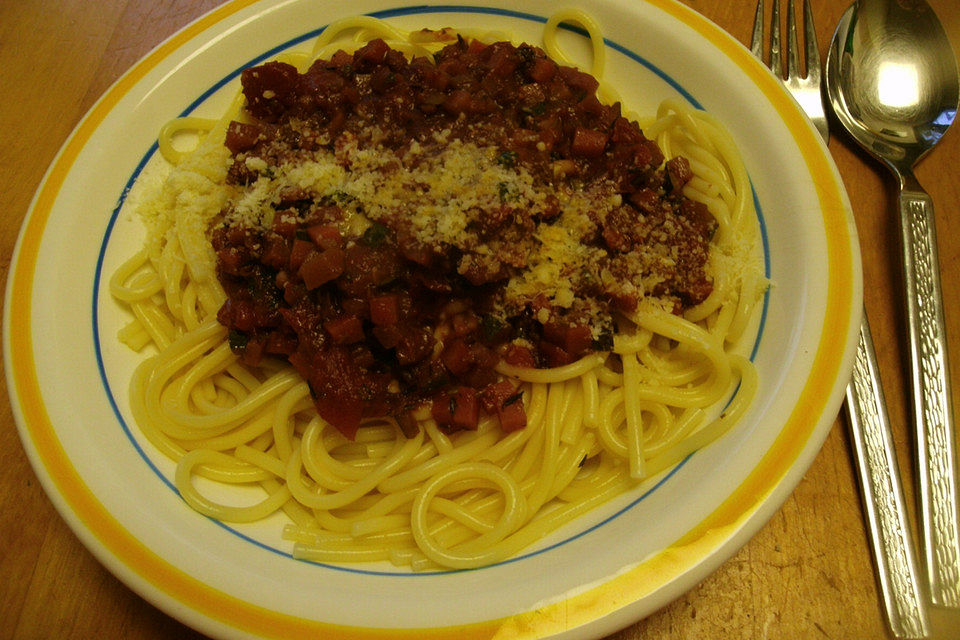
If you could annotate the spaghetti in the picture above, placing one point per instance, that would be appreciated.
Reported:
(432, 496)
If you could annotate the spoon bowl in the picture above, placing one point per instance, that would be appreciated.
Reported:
(892, 81)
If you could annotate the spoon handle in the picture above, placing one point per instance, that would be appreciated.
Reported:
(936, 448)
(882, 493)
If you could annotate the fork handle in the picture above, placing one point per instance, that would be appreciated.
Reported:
(882, 494)
(933, 414)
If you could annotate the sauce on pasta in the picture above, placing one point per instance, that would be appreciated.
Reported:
(403, 286)
(529, 306)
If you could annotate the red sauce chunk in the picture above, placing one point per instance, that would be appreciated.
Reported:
(381, 318)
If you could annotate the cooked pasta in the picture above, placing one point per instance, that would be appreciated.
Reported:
(596, 427)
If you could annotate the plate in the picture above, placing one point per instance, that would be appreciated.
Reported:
(68, 374)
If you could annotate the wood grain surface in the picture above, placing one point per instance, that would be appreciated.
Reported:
(806, 574)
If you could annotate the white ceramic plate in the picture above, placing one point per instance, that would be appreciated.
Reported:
(68, 374)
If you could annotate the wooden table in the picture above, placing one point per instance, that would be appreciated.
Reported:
(807, 574)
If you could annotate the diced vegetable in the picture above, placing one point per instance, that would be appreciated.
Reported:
(345, 330)
(320, 267)
(385, 309)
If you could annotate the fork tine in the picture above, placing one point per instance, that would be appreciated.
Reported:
(776, 63)
(793, 50)
(756, 41)
(810, 38)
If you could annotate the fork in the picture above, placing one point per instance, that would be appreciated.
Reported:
(874, 454)
(805, 89)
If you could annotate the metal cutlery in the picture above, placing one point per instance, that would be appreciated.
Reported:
(893, 83)
(876, 461)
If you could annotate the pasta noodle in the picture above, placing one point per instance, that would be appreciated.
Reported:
(595, 428)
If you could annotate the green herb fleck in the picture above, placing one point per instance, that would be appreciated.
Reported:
(507, 159)
(491, 326)
(604, 342)
(503, 190)
(238, 340)
(512, 399)
(375, 235)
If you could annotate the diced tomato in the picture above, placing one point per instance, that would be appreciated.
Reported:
(293, 293)
(385, 309)
(285, 225)
(320, 267)
(574, 339)
(343, 413)
(645, 200)
(579, 80)
(276, 253)
(588, 143)
(459, 409)
(252, 352)
(416, 252)
(341, 59)
(267, 88)
(441, 408)
(457, 357)
(504, 400)
(374, 52)
(241, 136)
(554, 355)
(512, 416)
(388, 337)
(414, 345)
(241, 315)
(466, 409)
(280, 344)
(554, 332)
(299, 252)
(493, 395)
(355, 306)
(519, 356)
(458, 102)
(345, 329)
(502, 61)
(325, 236)
(578, 339)
(543, 70)
(623, 131)
(476, 46)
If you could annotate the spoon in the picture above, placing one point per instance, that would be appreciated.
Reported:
(892, 82)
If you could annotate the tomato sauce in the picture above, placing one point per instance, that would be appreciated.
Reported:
(380, 322)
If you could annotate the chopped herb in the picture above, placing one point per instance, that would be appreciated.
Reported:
(491, 326)
(238, 340)
(604, 342)
(514, 398)
(503, 190)
(340, 197)
(507, 158)
(375, 235)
